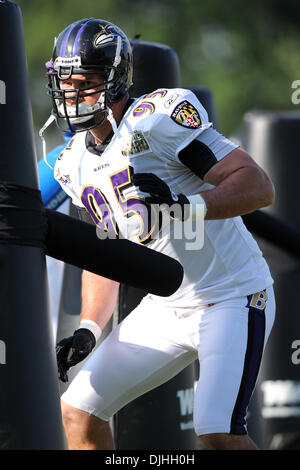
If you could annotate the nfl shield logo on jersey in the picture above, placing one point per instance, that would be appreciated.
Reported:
(186, 115)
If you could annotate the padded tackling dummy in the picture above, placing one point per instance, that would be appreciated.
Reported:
(30, 417)
(272, 139)
(155, 66)
(76, 242)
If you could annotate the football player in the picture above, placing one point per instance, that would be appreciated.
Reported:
(140, 168)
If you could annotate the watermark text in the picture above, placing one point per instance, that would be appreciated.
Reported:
(160, 223)
(295, 97)
(2, 92)
(296, 353)
(2, 352)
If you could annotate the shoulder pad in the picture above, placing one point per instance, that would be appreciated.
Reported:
(181, 105)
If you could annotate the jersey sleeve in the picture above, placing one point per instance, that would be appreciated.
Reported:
(205, 151)
(217, 143)
(178, 119)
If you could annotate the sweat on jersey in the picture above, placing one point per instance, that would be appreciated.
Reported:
(220, 258)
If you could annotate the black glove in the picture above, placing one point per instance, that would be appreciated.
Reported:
(160, 193)
(70, 351)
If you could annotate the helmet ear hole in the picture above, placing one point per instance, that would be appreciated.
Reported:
(89, 46)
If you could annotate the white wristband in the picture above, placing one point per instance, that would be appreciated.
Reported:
(197, 208)
(92, 326)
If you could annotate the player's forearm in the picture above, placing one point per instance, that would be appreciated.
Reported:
(244, 191)
(99, 297)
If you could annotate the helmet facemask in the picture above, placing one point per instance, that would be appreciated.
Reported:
(81, 116)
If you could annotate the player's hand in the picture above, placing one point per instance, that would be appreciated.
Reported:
(70, 351)
(161, 194)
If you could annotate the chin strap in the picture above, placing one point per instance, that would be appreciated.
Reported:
(112, 120)
(41, 132)
(50, 120)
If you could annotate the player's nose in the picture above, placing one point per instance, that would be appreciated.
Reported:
(72, 96)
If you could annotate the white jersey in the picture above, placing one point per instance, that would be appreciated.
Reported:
(153, 131)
